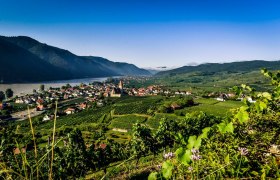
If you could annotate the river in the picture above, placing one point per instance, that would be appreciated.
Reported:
(27, 88)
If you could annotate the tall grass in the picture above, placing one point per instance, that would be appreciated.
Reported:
(54, 123)
(34, 141)
(23, 169)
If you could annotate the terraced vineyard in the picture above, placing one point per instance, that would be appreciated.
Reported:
(139, 105)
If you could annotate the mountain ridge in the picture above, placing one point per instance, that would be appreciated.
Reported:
(71, 65)
(244, 66)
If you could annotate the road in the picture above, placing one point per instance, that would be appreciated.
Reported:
(23, 115)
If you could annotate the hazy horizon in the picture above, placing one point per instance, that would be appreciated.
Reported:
(151, 33)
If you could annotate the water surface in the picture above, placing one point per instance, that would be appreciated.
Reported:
(27, 88)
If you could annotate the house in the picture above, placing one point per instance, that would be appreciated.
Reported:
(40, 107)
(18, 151)
(82, 105)
(116, 92)
(250, 100)
(28, 101)
(141, 92)
(40, 101)
(222, 97)
(19, 101)
(102, 146)
(175, 106)
(70, 110)
(3, 106)
(48, 117)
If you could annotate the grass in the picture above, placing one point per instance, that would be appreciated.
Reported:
(137, 105)
(214, 107)
(18, 107)
(153, 122)
(126, 122)
(120, 137)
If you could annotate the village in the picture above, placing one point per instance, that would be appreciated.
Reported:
(71, 99)
(77, 98)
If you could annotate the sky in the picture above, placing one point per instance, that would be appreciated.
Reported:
(150, 33)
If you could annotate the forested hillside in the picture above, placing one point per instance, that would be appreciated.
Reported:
(58, 63)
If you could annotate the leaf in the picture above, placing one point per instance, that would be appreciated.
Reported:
(242, 115)
(191, 142)
(266, 95)
(227, 159)
(179, 137)
(224, 128)
(205, 132)
(183, 155)
(221, 127)
(197, 143)
(153, 176)
(167, 168)
(229, 128)
(260, 106)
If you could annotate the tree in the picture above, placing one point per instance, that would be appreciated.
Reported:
(9, 93)
(42, 87)
(2, 96)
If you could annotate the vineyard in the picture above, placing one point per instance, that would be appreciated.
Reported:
(126, 122)
(138, 105)
(229, 140)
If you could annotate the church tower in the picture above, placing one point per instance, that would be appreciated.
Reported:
(121, 85)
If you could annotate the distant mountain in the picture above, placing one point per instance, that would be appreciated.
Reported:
(244, 66)
(156, 70)
(30, 58)
(20, 65)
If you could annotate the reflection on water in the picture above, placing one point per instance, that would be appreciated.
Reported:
(27, 88)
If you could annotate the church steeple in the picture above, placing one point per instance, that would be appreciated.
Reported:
(121, 85)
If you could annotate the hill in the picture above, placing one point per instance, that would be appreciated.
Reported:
(62, 63)
(233, 67)
(19, 65)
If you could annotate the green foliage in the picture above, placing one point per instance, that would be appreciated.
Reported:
(9, 93)
(225, 127)
(183, 155)
(2, 96)
(126, 121)
(167, 168)
(242, 115)
(137, 105)
(244, 144)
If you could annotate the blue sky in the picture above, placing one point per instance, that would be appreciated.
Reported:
(151, 33)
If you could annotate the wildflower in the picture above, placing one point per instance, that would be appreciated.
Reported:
(190, 168)
(195, 157)
(168, 155)
(195, 151)
(243, 151)
(159, 166)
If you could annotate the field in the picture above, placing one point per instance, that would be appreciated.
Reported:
(122, 114)
(208, 82)
(214, 107)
